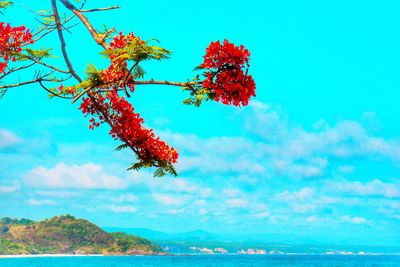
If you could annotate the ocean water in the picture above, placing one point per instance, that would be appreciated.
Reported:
(205, 260)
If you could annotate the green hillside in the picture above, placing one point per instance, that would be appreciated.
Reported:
(68, 235)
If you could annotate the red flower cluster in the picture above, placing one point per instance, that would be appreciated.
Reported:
(116, 72)
(11, 40)
(120, 41)
(227, 78)
(126, 125)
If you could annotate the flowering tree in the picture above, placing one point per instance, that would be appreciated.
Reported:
(103, 92)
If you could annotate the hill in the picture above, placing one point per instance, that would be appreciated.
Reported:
(68, 235)
(158, 236)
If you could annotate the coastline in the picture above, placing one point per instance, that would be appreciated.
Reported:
(188, 254)
(49, 255)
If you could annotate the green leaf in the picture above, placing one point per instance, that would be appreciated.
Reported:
(38, 53)
(159, 172)
(5, 4)
(120, 147)
(137, 51)
(136, 166)
(138, 72)
(93, 77)
(199, 68)
(48, 20)
(171, 169)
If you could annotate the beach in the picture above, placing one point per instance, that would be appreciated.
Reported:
(49, 255)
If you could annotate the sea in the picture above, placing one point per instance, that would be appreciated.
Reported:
(206, 260)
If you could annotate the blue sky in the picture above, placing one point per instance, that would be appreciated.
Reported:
(315, 155)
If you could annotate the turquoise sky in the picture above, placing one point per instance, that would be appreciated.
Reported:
(315, 156)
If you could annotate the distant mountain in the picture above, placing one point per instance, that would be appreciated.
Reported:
(143, 232)
(68, 235)
(197, 235)
(201, 242)
(200, 235)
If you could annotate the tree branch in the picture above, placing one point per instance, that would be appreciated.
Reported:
(18, 84)
(99, 9)
(62, 40)
(16, 69)
(108, 120)
(182, 84)
(52, 93)
(149, 82)
(46, 65)
(99, 40)
(38, 78)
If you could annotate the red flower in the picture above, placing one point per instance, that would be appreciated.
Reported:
(127, 126)
(228, 79)
(116, 73)
(11, 41)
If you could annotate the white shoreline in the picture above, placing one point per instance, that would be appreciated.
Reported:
(49, 255)
(189, 254)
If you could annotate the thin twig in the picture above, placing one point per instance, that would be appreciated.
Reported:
(62, 40)
(149, 82)
(99, 40)
(39, 79)
(99, 9)
(46, 65)
(34, 12)
(81, 94)
(18, 84)
(53, 27)
(52, 93)
(16, 69)
(44, 34)
(182, 84)
(109, 122)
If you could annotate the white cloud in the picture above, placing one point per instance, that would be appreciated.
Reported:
(297, 152)
(180, 185)
(8, 139)
(313, 219)
(259, 105)
(279, 219)
(200, 202)
(122, 209)
(237, 203)
(306, 200)
(41, 202)
(304, 207)
(174, 211)
(202, 211)
(209, 155)
(269, 122)
(346, 169)
(373, 188)
(304, 194)
(314, 167)
(281, 149)
(171, 185)
(8, 189)
(354, 220)
(206, 192)
(168, 200)
(125, 198)
(388, 207)
(262, 215)
(238, 163)
(57, 194)
(232, 192)
(62, 176)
